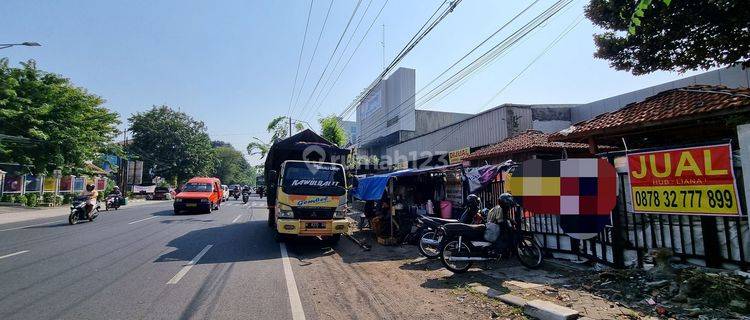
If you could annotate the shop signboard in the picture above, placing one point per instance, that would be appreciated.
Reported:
(33, 183)
(66, 183)
(456, 156)
(12, 183)
(101, 184)
(130, 172)
(79, 183)
(138, 179)
(695, 180)
(49, 184)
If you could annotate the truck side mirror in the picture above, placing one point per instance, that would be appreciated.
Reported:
(273, 176)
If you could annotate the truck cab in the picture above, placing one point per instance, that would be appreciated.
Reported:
(311, 200)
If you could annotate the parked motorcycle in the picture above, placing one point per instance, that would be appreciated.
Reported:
(78, 211)
(429, 240)
(463, 244)
(112, 202)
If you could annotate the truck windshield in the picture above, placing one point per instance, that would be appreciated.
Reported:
(313, 179)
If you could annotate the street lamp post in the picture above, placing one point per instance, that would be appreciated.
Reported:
(27, 44)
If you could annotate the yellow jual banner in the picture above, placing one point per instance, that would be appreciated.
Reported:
(696, 180)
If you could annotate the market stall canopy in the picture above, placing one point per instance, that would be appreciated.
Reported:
(372, 187)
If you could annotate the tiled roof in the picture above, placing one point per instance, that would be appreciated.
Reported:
(531, 140)
(664, 107)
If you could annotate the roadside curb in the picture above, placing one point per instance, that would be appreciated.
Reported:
(538, 309)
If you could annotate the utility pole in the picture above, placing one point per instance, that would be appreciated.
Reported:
(290, 125)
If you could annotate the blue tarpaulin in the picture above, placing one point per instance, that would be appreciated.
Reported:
(372, 188)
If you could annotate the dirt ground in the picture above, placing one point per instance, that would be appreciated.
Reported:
(388, 283)
(395, 282)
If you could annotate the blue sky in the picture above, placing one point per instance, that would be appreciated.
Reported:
(232, 63)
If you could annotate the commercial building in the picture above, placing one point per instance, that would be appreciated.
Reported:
(392, 129)
(352, 132)
(387, 116)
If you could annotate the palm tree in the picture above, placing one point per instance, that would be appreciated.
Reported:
(279, 131)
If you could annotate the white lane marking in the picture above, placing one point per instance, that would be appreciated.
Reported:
(188, 266)
(291, 286)
(33, 225)
(238, 218)
(144, 219)
(13, 254)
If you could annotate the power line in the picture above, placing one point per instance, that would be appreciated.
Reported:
(518, 75)
(404, 51)
(498, 49)
(493, 53)
(348, 23)
(365, 131)
(312, 58)
(320, 103)
(550, 46)
(299, 61)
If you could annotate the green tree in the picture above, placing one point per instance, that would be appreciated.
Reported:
(48, 123)
(681, 35)
(172, 143)
(279, 129)
(332, 130)
(231, 167)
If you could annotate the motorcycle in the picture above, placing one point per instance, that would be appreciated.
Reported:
(463, 244)
(78, 211)
(427, 227)
(236, 194)
(261, 191)
(245, 196)
(113, 202)
(429, 240)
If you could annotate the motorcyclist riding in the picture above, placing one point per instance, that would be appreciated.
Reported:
(115, 192)
(113, 198)
(91, 194)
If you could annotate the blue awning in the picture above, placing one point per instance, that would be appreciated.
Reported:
(372, 187)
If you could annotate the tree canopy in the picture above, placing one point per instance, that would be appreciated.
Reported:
(172, 143)
(676, 35)
(332, 130)
(231, 167)
(48, 123)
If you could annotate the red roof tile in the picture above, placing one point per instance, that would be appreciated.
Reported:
(667, 106)
(529, 141)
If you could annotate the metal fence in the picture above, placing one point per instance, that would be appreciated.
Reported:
(720, 242)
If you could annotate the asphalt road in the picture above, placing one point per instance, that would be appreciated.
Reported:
(135, 263)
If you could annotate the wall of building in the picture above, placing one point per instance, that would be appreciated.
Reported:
(551, 118)
(352, 131)
(484, 128)
(428, 121)
(389, 107)
(731, 77)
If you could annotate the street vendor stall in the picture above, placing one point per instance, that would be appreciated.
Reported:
(392, 199)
